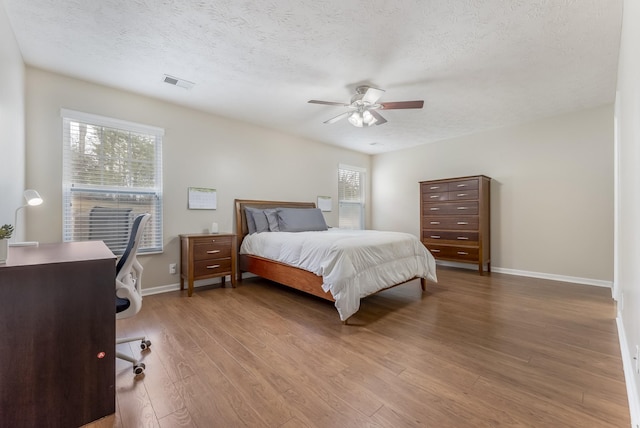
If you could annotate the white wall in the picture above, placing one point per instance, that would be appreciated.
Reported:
(199, 149)
(628, 242)
(551, 194)
(12, 141)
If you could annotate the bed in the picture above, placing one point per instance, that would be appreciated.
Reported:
(321, 262)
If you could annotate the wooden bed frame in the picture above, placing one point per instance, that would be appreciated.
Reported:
(281, 273)
(294, 277)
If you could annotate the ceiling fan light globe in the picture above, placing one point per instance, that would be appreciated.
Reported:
(356, 119)
(368, 118)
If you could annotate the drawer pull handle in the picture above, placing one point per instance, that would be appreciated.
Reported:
(434, 187)
(463, 222)
(434, 222)
(462, 237)
(213, 267)
(435, 236)
(434, 196)
(461, 195)
(463, 208)
(213, 251)
(434, 209)
(463, 253)
(462, 185)
(435, 251)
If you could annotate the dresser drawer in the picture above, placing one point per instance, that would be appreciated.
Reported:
(451, 223)
(435, 236)
(203, 268)
(435, 187)
(469, 184)
(434, 197)
(461, 195)
(451, 208)
(453, 252)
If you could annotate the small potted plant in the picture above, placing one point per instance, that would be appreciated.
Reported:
(5, 233)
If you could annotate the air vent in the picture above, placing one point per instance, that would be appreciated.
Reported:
(175, 81)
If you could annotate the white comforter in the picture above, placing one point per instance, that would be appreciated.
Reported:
(353, 263)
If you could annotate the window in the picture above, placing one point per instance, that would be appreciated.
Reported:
(112, 171)
(351, 197)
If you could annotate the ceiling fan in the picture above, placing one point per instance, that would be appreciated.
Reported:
(364, 106)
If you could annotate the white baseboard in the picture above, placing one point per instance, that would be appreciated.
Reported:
(175, 287)
(554, 277)
(541, 275)
(627, 366)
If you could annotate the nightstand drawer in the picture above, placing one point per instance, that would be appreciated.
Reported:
(214, 250)
(203, 268)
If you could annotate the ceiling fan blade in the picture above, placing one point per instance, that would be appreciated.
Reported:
(338, 117)
(372, 95)
(379, 119)
(402, 104)
(329, 103)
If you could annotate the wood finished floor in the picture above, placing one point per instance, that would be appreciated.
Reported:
(471, 351)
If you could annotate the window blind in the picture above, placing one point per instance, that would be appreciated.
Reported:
(112, 172)
(350, 197)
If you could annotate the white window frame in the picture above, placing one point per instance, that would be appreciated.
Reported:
(120, 203)
(347, 219)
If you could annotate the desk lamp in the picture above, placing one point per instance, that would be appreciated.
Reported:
(33, 198)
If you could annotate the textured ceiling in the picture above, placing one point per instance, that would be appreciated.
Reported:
(478, 64)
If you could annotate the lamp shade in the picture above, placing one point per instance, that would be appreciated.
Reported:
(32, 197)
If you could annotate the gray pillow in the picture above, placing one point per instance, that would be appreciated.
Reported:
(262, 225)
(272, 219)
(251, 223)
(300, 220)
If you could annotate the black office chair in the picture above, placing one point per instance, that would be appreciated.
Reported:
(128, 288)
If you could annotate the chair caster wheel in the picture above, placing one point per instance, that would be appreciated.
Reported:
(138, 369)
(145, 344)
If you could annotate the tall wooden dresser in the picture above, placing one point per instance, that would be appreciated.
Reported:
(455, 219)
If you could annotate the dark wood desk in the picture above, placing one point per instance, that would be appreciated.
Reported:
(57, 314)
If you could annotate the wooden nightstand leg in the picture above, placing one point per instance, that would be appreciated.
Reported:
(222, 281)
(190, 291)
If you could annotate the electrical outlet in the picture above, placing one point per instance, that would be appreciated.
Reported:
(172, 268)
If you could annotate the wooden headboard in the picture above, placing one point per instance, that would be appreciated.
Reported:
(241, 220)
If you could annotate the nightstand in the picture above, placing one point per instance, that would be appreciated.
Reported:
(204, 256)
